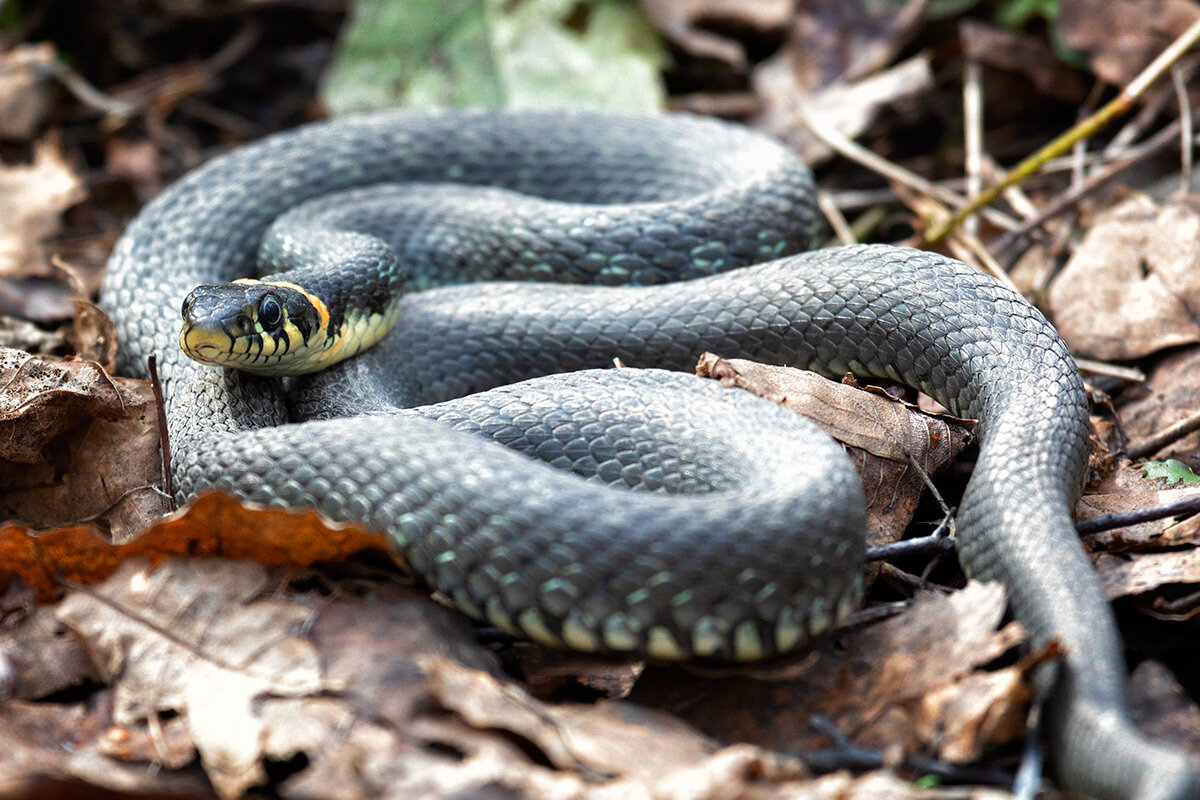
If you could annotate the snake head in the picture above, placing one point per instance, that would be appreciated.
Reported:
(267, 328)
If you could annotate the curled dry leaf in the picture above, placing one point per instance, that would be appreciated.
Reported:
(1122, 37)
(76, 446)
(214, 524)
(905, 683)
(44, 747)
(890, 442)
(1133, 285)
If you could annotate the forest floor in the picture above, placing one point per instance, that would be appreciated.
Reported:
(231, 651)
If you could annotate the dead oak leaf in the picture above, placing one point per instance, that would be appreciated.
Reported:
(1132, 287)
(193, 636)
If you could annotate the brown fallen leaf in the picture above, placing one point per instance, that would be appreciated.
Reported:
(214, 524)
(679, 21)
(22, 90)
(832, 69)
(1162, 708)
(886, 438)
(76, 446)
(31, 200)
(1122, 37)
(895, 686)
(1132, 287)
(1138, 573)
(193, 637)
(1126, 490)
(1022, 54)
(54, 750)
(1170, 394)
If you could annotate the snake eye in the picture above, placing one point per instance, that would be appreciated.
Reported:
(187, 303)
(269, 312)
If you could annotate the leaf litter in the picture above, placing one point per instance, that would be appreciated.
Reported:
(399, 696)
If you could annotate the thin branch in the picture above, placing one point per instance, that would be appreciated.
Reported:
(1066, 201)
(973, 131)
(1155, 442)
(1185, 115)
(845, 754)
(837, 221)
(1122, 519)
(1090, 126)
(854, 151)
(164, 435)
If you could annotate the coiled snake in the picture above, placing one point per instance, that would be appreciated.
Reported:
(747, 542)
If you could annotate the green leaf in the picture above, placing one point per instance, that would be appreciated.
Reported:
(1174, 471)
(1015, 13)
(496, 53)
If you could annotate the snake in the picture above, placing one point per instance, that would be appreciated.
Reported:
(516, 256)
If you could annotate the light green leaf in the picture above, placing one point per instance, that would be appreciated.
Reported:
(495, 53)
(1174, 471)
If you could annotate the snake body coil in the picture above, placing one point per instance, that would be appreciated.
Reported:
(747, 542)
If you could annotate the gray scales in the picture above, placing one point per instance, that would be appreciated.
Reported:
(748, 538)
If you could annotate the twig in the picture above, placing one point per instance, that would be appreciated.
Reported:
(841, 228)
(932, 544)
(1067, 200)
(1131, 374)
(1185, 116)
(852, 150)
(164, 435)
(1122, 519)
(845, 754)
(1028, 781)
(1155, 442)
(1113, 109)
(973, 131)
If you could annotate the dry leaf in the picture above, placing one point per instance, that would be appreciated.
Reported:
(876, 686)
(1170, 394)
(1133, 285)
(76, 446)
(31, 200)
(1128, 489)
(214, 524)
(1138, 573)
(886, 437)
(1162, 708)
(1122, 36)
(191, 636)
(678, 21)
(1022, 54)
(22, 90)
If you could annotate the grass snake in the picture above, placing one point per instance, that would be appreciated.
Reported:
(684, 235)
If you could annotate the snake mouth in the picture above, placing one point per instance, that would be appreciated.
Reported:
(195, 343)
